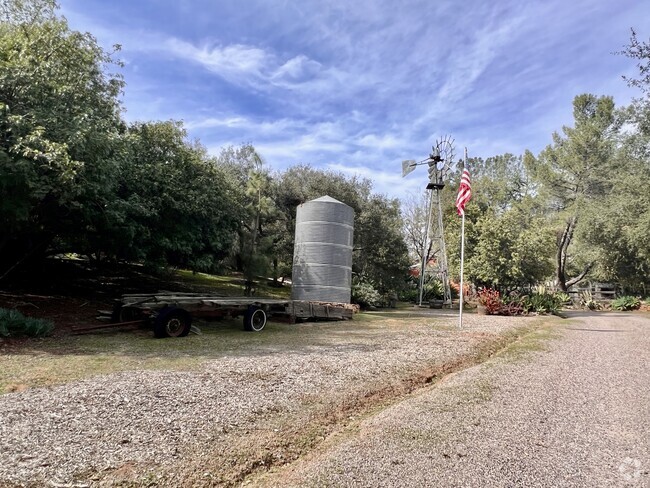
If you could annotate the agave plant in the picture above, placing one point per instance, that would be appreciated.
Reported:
(626, 303)
(15, 324)
(587, 300)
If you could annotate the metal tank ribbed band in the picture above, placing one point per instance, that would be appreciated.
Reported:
(322, 265)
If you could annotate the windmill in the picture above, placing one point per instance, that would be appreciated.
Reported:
(439, 162)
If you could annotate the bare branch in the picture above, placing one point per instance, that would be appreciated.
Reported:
(581, 276)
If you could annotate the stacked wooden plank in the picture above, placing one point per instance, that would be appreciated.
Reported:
(324, 310)
(193, 302)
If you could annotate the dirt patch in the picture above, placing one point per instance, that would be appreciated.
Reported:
(69, 293)
(64, 311)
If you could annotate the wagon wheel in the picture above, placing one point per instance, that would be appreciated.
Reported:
(172, 322)
(254, 319)
(128, 314)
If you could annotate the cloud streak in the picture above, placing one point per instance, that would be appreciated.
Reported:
(228, 61)
(359, 86)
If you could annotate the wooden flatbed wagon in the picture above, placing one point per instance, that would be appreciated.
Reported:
(171, 314)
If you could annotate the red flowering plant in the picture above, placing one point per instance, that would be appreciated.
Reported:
(491, 300)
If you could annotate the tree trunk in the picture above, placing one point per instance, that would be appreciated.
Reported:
(563, 242)
(275, 271)
(249, 272)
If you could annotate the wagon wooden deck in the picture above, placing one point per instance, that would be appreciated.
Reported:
(171, 314)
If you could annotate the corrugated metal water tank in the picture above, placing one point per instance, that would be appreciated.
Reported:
(322, 256)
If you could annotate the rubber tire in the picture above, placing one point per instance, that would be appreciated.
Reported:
(172, 322)
(254, 319)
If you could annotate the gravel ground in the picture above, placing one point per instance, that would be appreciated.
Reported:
(573, 415)
(76, 433)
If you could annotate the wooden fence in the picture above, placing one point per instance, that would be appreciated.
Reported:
(600, 291)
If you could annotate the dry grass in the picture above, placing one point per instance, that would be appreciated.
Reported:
(58, 360)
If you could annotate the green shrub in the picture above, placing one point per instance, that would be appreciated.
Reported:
(563, 298)
(15, 324)
(513, 303)
(626, 303)
(365, 295)
(542, 302)
(433, 289)
(409, 295)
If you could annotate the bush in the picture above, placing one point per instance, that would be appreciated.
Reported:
(513, 304)
(564, 298)
(409, 295)
(543, 302)
(625, 303)
(540, 301)
(15, 324)
(365, 295)
(433, 289)
(491, 300)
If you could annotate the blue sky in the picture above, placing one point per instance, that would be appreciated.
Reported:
(358, 86)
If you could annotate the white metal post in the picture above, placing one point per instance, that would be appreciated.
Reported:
(462, 262)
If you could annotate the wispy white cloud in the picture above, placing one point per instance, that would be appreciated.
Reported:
(244, 124)
(359, 86)
(262, 69)
(385, 141)
(228, 61)
(470, 61)
(284, 141)
(386, 182)
(297, 69)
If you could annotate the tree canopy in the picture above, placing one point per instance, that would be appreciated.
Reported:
(61, 128)
(75, 177)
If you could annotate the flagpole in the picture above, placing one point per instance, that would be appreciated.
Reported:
(462, 257)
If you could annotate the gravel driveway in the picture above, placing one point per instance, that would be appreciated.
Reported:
(232, 415)
(574, 415)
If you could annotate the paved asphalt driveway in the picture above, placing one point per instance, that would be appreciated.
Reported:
(574, 414)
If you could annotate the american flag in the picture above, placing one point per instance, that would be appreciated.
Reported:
(464, 193)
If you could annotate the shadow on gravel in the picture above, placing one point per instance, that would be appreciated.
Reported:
(571, 314)
(597, 330)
